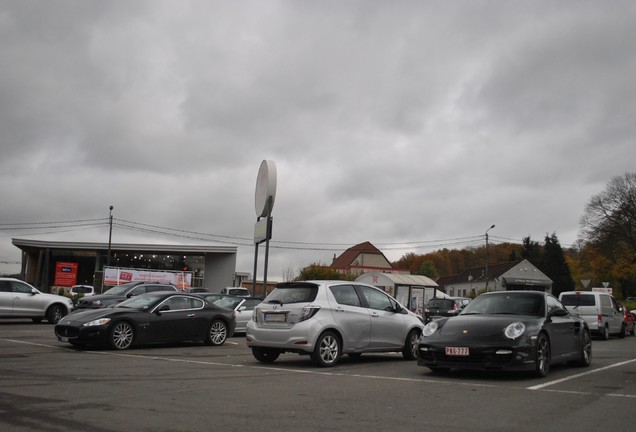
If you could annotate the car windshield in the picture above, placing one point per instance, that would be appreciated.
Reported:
(228, 302)
(118, 290)
(142, 302)
(506, 304)
(292, 294)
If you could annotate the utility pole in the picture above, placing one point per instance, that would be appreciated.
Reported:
(110, 234)
(487, 257)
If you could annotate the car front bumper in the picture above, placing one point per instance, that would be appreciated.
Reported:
(484, 356)
(82, 335)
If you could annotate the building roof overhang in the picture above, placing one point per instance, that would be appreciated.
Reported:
(26, 244)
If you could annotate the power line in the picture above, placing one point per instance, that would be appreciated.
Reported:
(83, 224)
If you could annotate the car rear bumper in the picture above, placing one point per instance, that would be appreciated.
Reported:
(299, 338)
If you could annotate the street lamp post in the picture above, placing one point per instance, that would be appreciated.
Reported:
(487, 257)
(110, 234)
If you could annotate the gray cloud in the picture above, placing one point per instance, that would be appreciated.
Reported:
(392, 122)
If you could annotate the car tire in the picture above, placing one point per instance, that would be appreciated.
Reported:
(121, 336)
(605, 333)
(265, 355)
(623, 332)
(585, 355)
(217, 333)
(55, 313)
(327, 350)
(542, 356)
(409, 352)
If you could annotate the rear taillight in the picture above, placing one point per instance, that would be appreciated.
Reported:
(455, 307)
(308, 312)
(600, 319)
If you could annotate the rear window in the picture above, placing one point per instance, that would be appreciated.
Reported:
(578, 300)
(441, 303)
(82, 289)
(292, 294)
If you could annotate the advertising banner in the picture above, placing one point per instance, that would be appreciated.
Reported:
(118, 276)
(65, 274)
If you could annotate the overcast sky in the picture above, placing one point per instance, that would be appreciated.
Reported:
(414, 125)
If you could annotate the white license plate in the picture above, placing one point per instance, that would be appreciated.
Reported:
(274, 317)
(457, 351)
(63, 339)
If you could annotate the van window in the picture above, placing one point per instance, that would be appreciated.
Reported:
(605, 301)
(578, 300)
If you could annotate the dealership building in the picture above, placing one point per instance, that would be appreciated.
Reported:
(52, 264)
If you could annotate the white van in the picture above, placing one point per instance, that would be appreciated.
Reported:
(236, 291)
(600, 310)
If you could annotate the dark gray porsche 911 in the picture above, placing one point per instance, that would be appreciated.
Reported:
(157, 317)
(512, 330)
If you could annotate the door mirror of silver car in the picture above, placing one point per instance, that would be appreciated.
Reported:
(34, 291)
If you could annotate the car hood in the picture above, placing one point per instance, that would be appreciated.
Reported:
(480, 325)
(87, 315)
(105, 297)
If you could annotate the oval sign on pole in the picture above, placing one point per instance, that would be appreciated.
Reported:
(265, 188)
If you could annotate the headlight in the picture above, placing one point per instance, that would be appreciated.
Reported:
(97, 322)
(515, 330)
(429, 329)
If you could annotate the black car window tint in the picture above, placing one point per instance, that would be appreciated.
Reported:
(345, 295)
(5, 286)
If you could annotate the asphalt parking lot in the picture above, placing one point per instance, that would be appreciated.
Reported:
(46, 385)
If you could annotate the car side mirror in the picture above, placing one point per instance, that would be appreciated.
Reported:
(559, 313)
(33, 291)
(163, 309)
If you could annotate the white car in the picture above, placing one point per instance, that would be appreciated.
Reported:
(243, 307)
(84, 290)
(18, 299)
(326, 319)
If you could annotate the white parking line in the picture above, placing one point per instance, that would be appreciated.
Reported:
(325, 373)
(550, 383)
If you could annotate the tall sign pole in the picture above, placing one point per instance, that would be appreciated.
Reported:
(264, 202)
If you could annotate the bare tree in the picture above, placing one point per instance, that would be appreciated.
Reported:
(609, 224)
(610, 216)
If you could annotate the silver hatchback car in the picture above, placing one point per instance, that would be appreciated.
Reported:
(326, 319)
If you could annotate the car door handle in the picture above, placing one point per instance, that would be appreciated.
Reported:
(339, 309)
(375, 315)
(191, 315)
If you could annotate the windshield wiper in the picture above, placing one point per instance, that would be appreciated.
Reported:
(275, 301)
